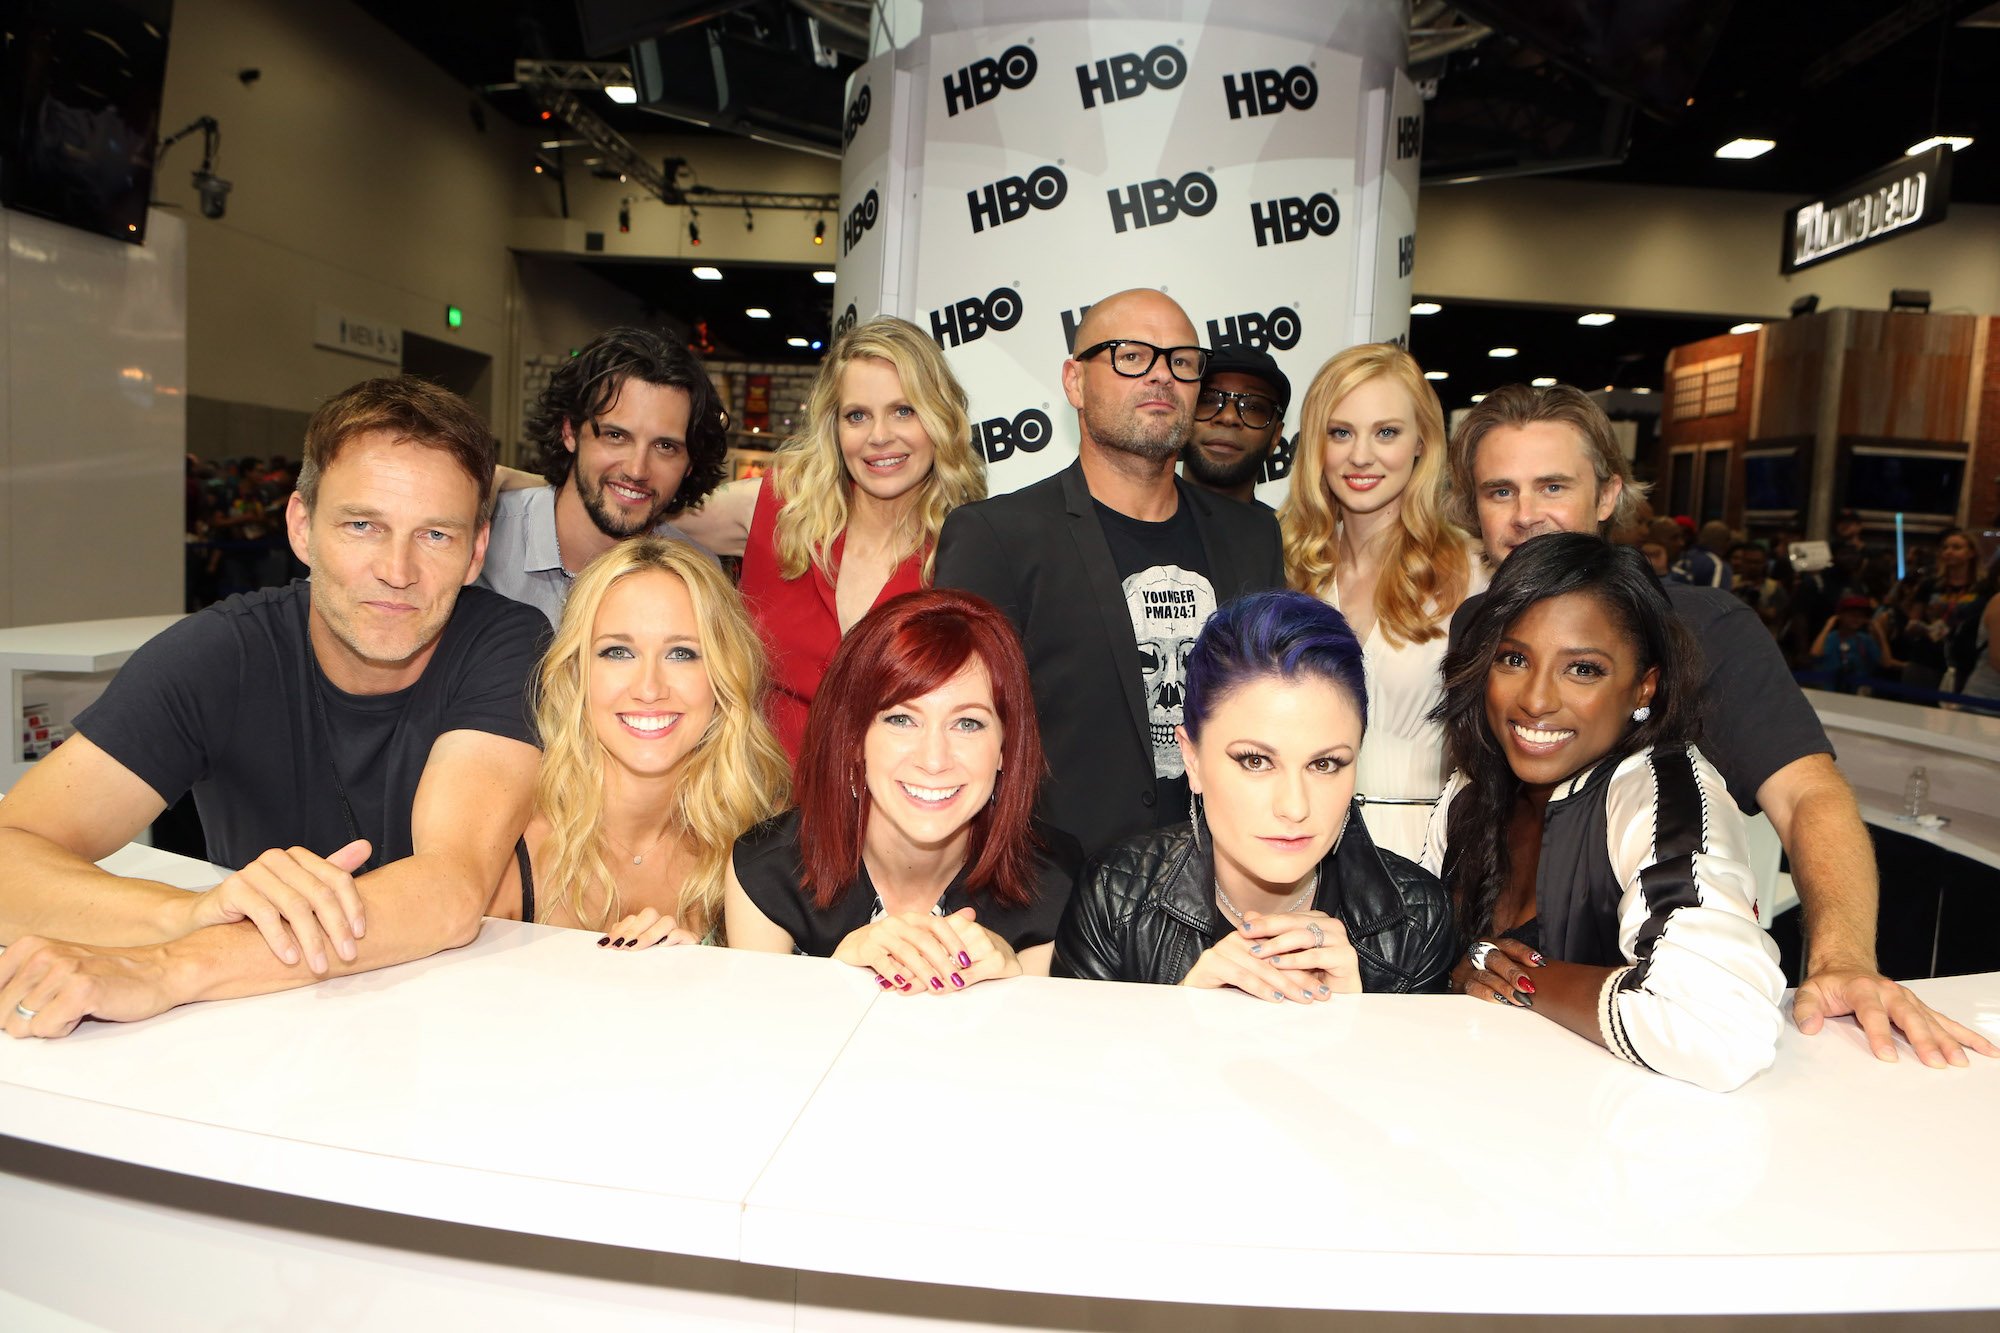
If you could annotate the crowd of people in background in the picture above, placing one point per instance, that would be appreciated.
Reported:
(236, 526)
(1861, 623)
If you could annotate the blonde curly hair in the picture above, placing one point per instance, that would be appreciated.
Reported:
(736, 775)
(810, 477)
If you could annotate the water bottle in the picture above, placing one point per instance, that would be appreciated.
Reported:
(1915, 792)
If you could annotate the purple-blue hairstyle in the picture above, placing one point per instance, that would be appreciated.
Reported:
(1265, 634)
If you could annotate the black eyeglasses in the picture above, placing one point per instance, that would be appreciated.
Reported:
(1132, 358)
(1254, 410)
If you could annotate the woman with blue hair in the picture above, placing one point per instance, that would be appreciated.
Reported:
(1273, 886)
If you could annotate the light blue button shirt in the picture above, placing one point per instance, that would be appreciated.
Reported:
(523, 558)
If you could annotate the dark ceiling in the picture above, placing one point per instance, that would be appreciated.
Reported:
(1843, 86)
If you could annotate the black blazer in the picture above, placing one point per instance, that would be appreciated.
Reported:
(1039, 555)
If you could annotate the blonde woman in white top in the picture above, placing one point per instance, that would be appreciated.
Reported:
(1364, 529)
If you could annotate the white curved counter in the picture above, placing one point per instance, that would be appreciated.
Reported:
(598, 1114)
(1878, 742)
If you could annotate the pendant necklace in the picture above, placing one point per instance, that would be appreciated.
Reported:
(1311, 891)
(638, 858)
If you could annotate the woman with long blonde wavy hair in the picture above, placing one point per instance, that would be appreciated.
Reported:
(655, 752)
(849, 515)
(1365, 529)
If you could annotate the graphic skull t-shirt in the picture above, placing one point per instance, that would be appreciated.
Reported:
(1163, 572)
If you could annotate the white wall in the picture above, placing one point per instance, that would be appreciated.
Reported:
(1636, 247)
(361, 184)
(93, 381)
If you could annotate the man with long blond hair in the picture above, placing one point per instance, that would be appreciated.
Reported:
(356, 743)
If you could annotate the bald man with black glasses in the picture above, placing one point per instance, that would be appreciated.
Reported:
(1109, 568)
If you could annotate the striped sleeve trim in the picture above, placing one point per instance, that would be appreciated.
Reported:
(1611, 1023)
(1680, 831)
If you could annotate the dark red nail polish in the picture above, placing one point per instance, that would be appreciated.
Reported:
(905, 987)
(606, 940)
(936, 984)
(900, 981)
(883, 982)
(964, 958)
(1523, 983)
(958, 981)
(618, 943)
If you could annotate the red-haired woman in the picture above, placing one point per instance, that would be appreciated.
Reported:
(913, 850)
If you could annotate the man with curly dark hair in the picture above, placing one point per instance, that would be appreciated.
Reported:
(628, 433)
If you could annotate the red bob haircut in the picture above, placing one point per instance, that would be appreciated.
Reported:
(902, 650)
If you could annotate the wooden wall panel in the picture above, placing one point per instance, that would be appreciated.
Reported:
(1906, 375)
(1794, 352)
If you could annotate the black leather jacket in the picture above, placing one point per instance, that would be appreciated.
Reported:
(1144, 910)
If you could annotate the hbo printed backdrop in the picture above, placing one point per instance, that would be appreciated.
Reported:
(997, 180)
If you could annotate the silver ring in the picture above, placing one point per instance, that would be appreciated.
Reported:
(1319, 936)
(25, 1012)
(1479, 953)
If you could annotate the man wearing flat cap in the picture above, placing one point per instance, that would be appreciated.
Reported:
(1239, 416)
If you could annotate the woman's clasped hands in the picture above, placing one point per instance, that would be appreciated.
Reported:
(919, 953)
(1298, 956)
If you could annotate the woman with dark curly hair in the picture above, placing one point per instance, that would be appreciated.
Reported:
(1593, 856)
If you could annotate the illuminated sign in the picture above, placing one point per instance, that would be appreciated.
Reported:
(1908, 193)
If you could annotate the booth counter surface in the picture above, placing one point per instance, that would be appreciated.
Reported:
(1047, 1136)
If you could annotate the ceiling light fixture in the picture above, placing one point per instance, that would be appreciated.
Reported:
(1745, 149)
(1503, 351)
(758, 312)
(707, 274)
(819, 232)
(1640, 388)
(1478, 397)
(798, 342)
(1437, 374)
(823, 275)
(622, 93)
(1544, 382)
(1596, 319)
(1748, 326)
(1958, 142)
(1425, 308)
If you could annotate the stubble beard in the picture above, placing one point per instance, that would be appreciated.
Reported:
(608, 522)
(1223, 478)
(1157, 441)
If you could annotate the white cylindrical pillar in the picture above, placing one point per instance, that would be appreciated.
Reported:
(1006, 167)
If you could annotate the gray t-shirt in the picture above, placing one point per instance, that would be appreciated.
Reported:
(524, 560)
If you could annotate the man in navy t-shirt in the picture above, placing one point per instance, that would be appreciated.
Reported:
(357, 743)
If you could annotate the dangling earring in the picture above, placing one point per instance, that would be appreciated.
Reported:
(993, 796)
(1642, 712)
(1194, 817)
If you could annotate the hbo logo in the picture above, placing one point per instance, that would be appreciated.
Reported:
(1277, 331)
(1283, 220)
(859, 219)
(1009, 200)
(982, 80)
(1125, 76)
(857, 114)
(1265, 92)
(998, 437)
(1150, 203)
(971, 319)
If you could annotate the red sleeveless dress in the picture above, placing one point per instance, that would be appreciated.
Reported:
(797, 618)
